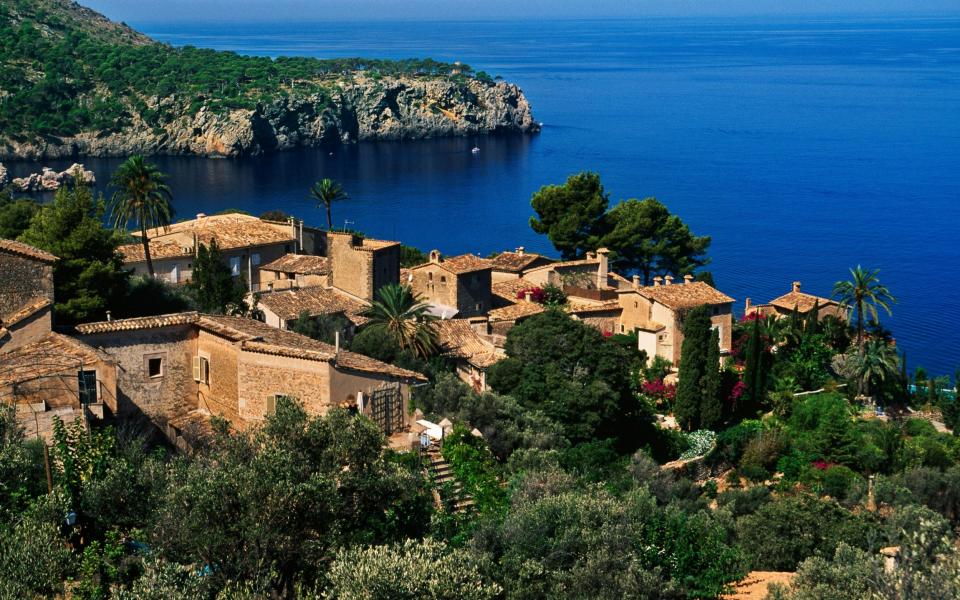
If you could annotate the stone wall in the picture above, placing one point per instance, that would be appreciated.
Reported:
(219, 394)
(351, 269)
(22, 280)
(160, 398)
(263, 375)
(436, 285)
(473, 289)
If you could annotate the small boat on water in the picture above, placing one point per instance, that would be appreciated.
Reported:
(475, 150)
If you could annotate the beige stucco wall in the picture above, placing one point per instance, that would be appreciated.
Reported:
(219, 395)
(636, 310)
(361, 272)
(263, 375)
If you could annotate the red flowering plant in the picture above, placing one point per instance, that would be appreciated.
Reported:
(822, 465)
(660, 393)
(536, 294)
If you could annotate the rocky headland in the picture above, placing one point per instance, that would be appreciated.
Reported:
(399, 108)
(47, 180)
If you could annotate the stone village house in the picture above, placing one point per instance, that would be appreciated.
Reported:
(455, 286)
(45, 374)
(803, 303)
(246, 243)
(181, 369)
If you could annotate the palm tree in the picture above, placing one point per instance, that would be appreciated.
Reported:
(864, 294)
(326, 192)
(874, 363)
(399, 313)
(141, 196)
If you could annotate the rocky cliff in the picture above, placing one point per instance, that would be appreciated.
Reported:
(360, 108)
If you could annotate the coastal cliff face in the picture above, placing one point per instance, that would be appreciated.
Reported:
(361, 108)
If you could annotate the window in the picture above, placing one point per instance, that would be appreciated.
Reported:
(443, 280)
(154, 367)
(201, 369)
(255, 258)
(636, 305)
(87, 386)
(235, 266)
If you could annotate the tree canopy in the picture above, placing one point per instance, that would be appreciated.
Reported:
(571, 214)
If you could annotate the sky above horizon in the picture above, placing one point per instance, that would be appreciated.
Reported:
(319, 10)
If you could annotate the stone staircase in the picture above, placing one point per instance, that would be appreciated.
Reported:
(442, 475)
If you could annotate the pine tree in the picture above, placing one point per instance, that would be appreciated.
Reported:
(711, 408)
(693, 363)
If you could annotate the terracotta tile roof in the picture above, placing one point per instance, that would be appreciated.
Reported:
(515, 262)
(231, 231)
(51, 355)
(458, 265)
(516, 311)
(302, 264)
(136, 323)
(25, 311)
(15, 247)
(592, 307)
(804, 302)
(255, 336)
(685, 295)
(460, 340)
(508, 290)
(288, 304)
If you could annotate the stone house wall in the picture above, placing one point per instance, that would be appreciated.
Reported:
(219, 393)
(263, 375)
(160, 398)
(23, 279)
(473, 293)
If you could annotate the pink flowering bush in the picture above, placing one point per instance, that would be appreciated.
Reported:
(536, 294)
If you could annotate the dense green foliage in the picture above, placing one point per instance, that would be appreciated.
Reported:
(642, 235)
(65, 74)
(698, 403)
(88, 276)
(15, 214)
(566, 369)
(213, 286)
(398, 314)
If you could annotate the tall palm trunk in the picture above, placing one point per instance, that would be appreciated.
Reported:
(329, 218)
(146, 248)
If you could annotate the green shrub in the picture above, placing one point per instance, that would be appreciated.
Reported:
(842, 482)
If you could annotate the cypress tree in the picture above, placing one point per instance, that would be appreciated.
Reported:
(904, 377)
(693, 362)
(711, 407)
(812, 326)
(755, 371)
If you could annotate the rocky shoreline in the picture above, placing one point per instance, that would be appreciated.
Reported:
(363, 108)
(47, 180)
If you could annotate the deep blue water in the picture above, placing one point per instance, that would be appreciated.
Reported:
(802, 147)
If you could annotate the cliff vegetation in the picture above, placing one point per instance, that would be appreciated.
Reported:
(72, 82)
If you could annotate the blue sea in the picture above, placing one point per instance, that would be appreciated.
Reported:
(803, 147)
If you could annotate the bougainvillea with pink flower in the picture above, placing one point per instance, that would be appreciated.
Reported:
(536, 294)
(658, 391)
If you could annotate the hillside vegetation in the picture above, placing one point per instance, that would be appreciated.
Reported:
(67, 71)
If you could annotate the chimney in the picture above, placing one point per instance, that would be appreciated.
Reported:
(602, 269)
(201, 216)
(657, 281)
(668, 280)
(687, 279)
(636, 282)
(109, 316)
(336, 341)
(796, 286)
(520, 251)
(591, 255)
(527, 296)
(435, 256)
(746, 308)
